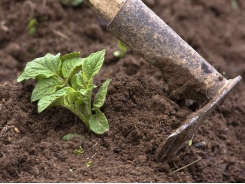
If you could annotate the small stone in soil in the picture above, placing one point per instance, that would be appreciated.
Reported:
(16, 130)
(117, 150)
(200, 144)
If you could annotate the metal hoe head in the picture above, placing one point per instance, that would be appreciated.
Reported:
(175, 140)
(187, 74)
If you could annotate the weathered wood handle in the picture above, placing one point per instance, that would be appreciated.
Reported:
(107, 9)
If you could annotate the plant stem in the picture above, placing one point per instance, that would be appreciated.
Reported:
(89, 104)
(89, 101)
(79, 114)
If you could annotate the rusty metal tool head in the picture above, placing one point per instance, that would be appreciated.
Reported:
(187, 74)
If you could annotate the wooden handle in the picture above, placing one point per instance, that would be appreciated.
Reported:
(107, 9)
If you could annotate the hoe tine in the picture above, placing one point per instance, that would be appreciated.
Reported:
(174, 142)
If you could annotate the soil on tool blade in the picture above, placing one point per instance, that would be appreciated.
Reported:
(140, 113)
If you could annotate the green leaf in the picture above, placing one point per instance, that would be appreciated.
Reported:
(68, 137)
(89, 163)
(32, 26)
(91, 86)
(92, 64)
(43, 67)
(70, 56)
(53, 99)
(32, 23)
(80, 80)
(72, 97)
(74, 83)
(101, 95)
(234, 4)
(45, 87)
(76, 2)
(32, 30)
(98, 123)
(71, 63)
(190, 142)
(81, 106)
(123, 49)
(122, 46)
(78, 151)
(86, 93)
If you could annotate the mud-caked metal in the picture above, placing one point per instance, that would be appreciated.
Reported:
(186, 73)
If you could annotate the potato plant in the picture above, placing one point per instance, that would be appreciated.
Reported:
(67, 81)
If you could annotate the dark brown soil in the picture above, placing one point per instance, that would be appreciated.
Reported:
(139, 112)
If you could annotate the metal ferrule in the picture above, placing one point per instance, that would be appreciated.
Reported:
(186, 73)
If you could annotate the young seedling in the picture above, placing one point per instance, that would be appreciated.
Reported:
(32, 26)
(123, 49)
(191, 141)
(89, 163)
(70, 136)
(78, 151)
(71, 2)
(67, 81)
(234, 4)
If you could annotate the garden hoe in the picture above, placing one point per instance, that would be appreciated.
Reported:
(186, 73)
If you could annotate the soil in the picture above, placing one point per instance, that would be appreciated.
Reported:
(139, 110)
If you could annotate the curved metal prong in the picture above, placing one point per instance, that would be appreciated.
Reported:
(174, 142)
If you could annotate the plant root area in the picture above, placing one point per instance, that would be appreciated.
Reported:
(139, 109)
